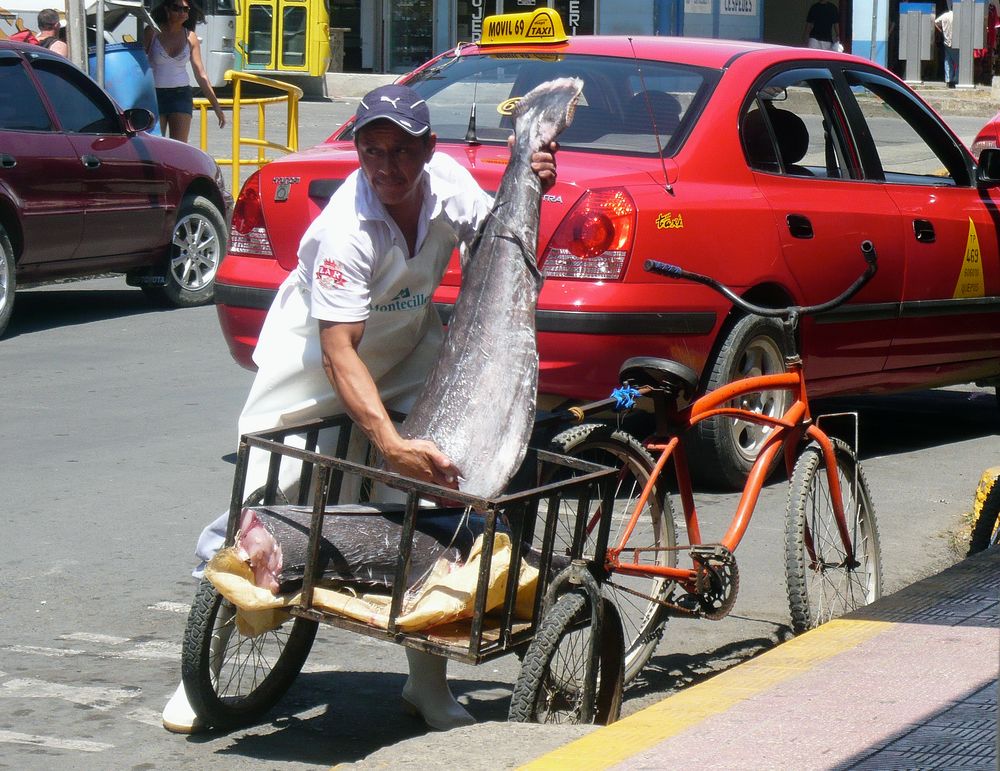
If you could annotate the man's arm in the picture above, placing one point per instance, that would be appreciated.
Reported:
(348, 374)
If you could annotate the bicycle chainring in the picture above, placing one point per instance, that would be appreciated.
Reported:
(718, 581)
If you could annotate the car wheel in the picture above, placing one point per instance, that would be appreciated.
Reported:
(196, 251)
(8, 280)
(723, 450)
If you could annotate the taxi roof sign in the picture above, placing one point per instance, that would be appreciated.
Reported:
(540, 26)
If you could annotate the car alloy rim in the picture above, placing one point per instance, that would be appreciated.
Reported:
(4, 284)
(761, 357)
(197, 252)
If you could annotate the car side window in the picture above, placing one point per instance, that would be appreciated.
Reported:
(910, 147)
(21, 109)
(80, 105)
(793, 127)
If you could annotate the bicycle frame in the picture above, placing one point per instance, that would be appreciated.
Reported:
(789, 431)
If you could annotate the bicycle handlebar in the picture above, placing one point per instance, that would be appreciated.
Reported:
(674, 271)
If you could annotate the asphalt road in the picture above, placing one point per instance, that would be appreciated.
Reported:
(118, 431)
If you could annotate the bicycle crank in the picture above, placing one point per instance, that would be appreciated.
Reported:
(717, 581)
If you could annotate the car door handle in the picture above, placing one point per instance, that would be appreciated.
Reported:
(799, 226)
(924, 231)
(7, 161)
(91, 161)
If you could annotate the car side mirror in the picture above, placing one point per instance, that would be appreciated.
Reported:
(138, 119)
(988, 169)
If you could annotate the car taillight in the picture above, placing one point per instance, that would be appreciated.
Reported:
(594, 241)
(982, 144)
(248, 234)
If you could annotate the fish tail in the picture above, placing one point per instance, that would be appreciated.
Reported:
(543, 113)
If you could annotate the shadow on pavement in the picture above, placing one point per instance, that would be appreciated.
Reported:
(44, 309)
(319, 720)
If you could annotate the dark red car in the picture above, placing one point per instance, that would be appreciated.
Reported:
(84, 190)
(763, 166)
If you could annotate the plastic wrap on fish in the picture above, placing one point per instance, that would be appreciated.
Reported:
(360, 543)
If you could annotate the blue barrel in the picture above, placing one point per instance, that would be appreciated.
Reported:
(128, 77)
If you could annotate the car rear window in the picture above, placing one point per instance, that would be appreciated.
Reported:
(21, 109)
(627, 107)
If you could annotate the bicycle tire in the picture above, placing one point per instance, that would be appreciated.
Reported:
(642, 620)
(825, 588)
(234, 686)
(986, 530)
(550, 685)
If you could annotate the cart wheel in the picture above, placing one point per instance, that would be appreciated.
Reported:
(550, 687)
(232, 679)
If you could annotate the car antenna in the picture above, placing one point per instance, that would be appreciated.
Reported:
(470, 133)
(652, 119)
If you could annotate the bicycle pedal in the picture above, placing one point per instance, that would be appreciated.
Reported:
(705, 551)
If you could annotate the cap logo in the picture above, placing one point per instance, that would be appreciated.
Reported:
(391, 101)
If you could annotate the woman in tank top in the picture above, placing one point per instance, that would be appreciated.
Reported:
(169, 51)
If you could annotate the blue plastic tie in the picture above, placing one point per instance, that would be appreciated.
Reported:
(624, 397)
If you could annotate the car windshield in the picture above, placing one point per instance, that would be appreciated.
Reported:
(627, 106)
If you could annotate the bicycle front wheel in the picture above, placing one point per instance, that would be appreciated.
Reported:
(231, 678)
(551, 685)
(635, 597)
(823, 582)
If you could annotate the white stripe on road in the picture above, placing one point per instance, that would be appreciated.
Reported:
(97, 698)
(147, 716)
(104, 639)
(171, 607)
(38, 650)
(151, 650)
(52, 742)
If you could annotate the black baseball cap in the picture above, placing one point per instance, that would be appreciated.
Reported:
(400, 104)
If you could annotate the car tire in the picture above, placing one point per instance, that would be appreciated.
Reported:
(8, 280)
(197, 247)
(722, 451)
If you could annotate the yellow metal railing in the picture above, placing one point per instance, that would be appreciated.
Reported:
(290, 96)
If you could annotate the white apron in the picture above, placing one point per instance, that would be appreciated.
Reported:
(399, 347)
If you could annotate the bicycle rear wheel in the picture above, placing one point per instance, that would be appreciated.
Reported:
(230, 678)
(822, 582)
(642, 619)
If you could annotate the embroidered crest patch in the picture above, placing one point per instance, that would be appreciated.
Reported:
(329, 275)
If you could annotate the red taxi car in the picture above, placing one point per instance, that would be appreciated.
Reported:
(763, 166)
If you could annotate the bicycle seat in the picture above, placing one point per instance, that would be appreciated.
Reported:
(660, 373)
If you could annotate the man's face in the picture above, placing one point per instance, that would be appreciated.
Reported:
(392, 160)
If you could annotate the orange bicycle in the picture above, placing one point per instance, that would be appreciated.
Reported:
(832, 553)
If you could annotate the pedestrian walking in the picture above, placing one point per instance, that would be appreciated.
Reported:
(823, 26)
(169, 50)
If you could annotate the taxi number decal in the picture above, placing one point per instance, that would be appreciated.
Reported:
(666, 222)
(507, 106)
(970, 278)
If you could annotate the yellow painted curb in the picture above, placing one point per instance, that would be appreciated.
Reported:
(986, 483)
(619, 741)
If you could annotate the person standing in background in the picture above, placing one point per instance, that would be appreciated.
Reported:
(169, 51)
(823, 26)
(49, 26)
(945, 25)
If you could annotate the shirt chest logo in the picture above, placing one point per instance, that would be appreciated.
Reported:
(405, 300)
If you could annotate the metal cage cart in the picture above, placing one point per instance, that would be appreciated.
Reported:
(571, 641)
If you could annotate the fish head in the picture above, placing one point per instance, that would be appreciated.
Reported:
(545, 111)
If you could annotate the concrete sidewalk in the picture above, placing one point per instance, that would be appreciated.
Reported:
(909, 682)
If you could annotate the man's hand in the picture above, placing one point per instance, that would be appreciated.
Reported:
(421, 459)
(543, 163)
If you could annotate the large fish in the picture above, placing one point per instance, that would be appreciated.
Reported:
(478, 403)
